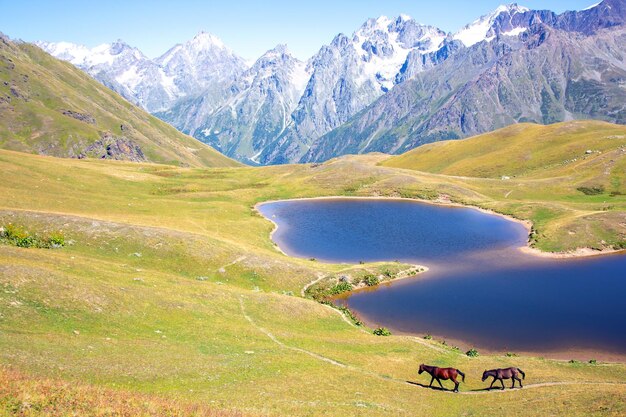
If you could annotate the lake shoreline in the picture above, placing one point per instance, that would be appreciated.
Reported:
(564, 354)
(560, 353)
(577, 253)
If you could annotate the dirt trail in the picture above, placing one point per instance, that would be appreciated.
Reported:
(278, 342)
(241, 258)
(312, 283)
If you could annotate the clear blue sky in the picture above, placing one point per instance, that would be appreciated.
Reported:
(249, 27)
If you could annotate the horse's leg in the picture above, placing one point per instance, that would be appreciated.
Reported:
(502, 382)
(431, 382)
(438, 380)
(456, 384)
(520, 382)
(512, 382)
(493, 382)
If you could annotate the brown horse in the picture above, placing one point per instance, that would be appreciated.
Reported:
(442, 373)
(505, 373)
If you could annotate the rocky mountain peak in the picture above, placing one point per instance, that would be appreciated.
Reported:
(206, 40)
(275, 58)
(278, 50)
(485, 27)
(608, 13)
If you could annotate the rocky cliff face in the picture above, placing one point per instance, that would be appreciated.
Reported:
(257, 108)
(348, 75)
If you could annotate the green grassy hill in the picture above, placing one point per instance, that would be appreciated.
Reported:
(523, 150)
(50, 107)
(568, 178)
(170, 291)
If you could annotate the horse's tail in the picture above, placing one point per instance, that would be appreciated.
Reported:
(462, 374)
(521, 372)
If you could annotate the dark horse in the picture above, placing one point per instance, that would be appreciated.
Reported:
(442, 373)
(505, 373)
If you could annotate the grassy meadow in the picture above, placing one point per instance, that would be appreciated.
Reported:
(169, 298)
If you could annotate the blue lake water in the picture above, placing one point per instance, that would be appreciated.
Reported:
(480, 290)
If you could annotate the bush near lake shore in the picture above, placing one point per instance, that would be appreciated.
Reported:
(382, 331)
(371, 280)
(472, 353)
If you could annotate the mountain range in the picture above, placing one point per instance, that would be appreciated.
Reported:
(50, 107)
(392, 85)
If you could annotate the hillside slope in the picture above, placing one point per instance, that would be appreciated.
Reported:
(170, 286)
(523, 149)
(49, 107)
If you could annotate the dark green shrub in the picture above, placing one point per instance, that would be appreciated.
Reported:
(591, 190)
(25, 242)
(511, 354)
(371, 280)
(593, 362)
(382, 331)
(573, 361)
(428, 337)
(340, 287)
(472, 353)
(20, 237)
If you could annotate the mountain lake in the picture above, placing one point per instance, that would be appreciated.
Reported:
(481, 290)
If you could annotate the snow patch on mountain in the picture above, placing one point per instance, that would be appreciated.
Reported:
(479, 30)
(515, 32)
(592, 6)
(383, 45)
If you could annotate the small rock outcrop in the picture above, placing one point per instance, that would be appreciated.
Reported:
(83, 117)
(112, 147)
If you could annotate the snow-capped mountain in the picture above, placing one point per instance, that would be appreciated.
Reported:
(203, 63)
(487, 27)
(348, 75)
(558, 67)
(383, 44)
(274, 110)
(283, 110)
(256, 111)
(122, 68)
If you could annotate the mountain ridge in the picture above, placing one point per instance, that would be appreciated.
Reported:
(50, 107)
(259, 124)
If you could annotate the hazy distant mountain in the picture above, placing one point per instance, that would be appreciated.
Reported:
(203, 64)
(393, 84)
(256, 110)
